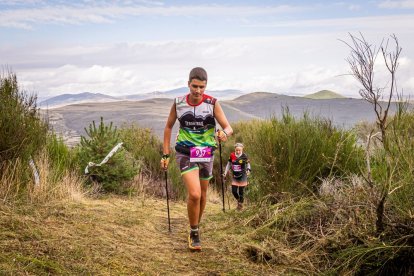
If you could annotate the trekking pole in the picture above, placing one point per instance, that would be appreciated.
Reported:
(221, 175)
(168, 203)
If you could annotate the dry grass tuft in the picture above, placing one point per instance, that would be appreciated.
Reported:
(10, 180)
(307, 235)
(17, 183)
(69, 186)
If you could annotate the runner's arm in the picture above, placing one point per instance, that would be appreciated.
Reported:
(227, 169)
(222, 120)
(168, 129)
(248, 170)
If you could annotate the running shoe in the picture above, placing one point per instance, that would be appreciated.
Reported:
(194, 240)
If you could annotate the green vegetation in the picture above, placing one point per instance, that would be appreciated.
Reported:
(22, 131)
(402, 147)
(324, 94)
(146, 149)
(24, 136)
(119, 167)
(293, 156)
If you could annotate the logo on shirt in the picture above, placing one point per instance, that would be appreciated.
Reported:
(194, 123)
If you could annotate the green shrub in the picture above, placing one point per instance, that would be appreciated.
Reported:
(398, 165)
(22, 131)
(119, 167)
(144, 146)
(291, 155)
(147, 149)
(61, 157)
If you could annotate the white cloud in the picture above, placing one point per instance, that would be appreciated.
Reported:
(390, 22)
(108, 12)
(405, 4)
(276, 64)
(354, 7)
(20, 2)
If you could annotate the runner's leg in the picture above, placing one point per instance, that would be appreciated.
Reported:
(241, 194)
(203, 199)
(234, 191)
(192, 183)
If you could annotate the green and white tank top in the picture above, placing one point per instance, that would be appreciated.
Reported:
(197, 123)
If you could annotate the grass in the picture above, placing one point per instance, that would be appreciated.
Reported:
(117, 235)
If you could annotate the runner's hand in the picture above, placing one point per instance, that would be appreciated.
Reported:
(221, 136)
(164, 162)
(248, 172)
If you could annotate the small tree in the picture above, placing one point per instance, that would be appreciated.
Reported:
(94, 149)
(362, 61)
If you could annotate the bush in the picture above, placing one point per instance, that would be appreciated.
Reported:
(291, 155)
(61, 157)
(94, 149)
(22, 136)
(147, 149)
(144, 147)
(398, 164)
(22, 131)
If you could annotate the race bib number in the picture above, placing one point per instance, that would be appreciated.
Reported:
(200, 154)
(237, 168)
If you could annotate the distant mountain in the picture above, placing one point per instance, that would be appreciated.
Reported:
(323, 95)
(254, 96)
(226, 94)
(343, 112)
(87, 97)
(157, 94)
(66, 99)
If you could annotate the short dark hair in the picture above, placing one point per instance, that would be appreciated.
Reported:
(198, 73)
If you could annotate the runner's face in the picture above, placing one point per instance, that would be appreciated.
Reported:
(238, 150)
(197, 88)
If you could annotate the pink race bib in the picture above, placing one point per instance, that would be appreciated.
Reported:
(237, 168)
(200, 154)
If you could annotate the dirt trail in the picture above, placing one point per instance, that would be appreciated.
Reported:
(115, 236)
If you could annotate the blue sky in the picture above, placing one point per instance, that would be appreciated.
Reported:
(130, 47)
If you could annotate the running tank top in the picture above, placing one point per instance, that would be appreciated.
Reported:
(239, 165)
(197, 123)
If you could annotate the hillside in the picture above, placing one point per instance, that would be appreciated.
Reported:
(344, 112)
(66, 99)
(71, 120)
(118, 236)
(87, 97)
(323, 95)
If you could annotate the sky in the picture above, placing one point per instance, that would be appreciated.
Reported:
(125, 47)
